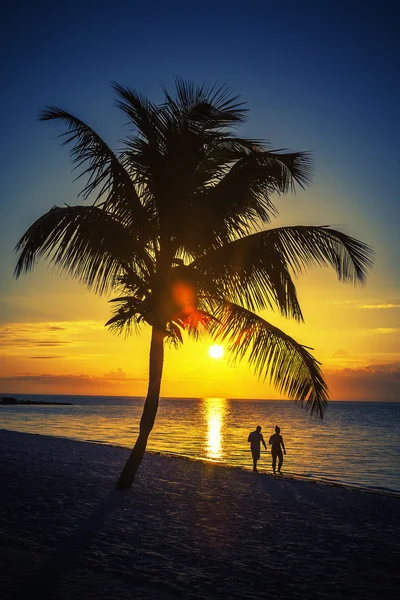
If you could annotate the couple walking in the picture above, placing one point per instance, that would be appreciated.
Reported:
(276, 442)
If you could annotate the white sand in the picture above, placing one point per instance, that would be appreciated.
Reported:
(186, 530)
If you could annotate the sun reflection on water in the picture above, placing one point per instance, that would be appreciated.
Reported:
(215, 409)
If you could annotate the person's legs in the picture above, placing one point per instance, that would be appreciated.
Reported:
(280, 461)
(256, 456)
(274, 462)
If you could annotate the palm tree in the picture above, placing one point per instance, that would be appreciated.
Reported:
(178, 227)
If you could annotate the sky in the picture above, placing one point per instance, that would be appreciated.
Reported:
(317, 76)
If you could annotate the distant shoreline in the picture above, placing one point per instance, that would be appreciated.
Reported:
(11, 401)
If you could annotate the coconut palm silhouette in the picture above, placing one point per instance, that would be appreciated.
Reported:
(177, 228)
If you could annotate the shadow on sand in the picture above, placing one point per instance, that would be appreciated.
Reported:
(43, 583)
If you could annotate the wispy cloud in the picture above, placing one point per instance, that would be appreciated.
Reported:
(31, 341)
(379, 306)
(52, 378)
(33, 334)
(378, 331)
(386, 330)
(382, 304)
(47, 378)
(44, 334)
(48, 357)
(59, 343)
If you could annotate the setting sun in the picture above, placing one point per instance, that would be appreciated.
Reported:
(215, 351)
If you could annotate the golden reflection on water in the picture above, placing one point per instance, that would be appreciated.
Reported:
(215, 415)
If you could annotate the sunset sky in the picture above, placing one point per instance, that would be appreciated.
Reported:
(317, 76)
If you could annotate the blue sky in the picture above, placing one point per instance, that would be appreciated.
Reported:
(320, 76)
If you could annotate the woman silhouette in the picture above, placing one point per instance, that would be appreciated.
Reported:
(276, 442)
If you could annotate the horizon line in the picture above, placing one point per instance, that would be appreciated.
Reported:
(190, 397)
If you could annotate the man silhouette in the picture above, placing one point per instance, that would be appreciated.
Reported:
(255, 438)
(276, 441)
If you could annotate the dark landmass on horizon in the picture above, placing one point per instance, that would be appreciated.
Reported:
(10, 401)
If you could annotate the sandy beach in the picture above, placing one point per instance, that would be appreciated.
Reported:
(187, 529)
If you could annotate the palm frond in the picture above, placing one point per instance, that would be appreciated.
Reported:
(235, 182)
(249, 272)
(130, 282)
(86, 242)
(105, 173)
(210, 107)
(225, 182)
(248, 186)
(254, 271)
(272, 354)
(305, 246)
(144, 115)
(126, 315)
(286, 169)
(197, 323)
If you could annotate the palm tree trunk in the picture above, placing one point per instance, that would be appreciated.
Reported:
(149, 411)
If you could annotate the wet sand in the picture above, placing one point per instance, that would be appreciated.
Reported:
(186, 529)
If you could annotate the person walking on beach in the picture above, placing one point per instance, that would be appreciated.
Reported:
(276, 442)
(255, 439)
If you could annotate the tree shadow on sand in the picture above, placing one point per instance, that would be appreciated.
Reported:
(43, 583)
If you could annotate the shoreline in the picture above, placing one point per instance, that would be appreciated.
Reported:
(187, 529)
(286, 474)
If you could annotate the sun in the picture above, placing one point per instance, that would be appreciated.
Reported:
(215, 351)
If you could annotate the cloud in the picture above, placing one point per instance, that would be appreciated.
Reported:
(51, 378)
(47, 357)
(385, 330)
(47, 378)
(118, 374)
(379, 306)
(50, 383)
(378, 331)
(27, 341)
(382, 304)
(33, 335)
(340, 354)
(372, 382)
(47, 334)
(59, 343)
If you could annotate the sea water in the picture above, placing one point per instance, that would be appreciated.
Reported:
(357, 443)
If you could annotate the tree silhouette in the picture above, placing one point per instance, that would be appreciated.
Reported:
(178, 227)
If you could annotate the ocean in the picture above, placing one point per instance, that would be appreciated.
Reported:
(357, 443)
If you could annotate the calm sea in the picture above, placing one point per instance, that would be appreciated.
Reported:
(357, 443)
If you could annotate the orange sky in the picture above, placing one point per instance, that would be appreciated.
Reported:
(55, 341)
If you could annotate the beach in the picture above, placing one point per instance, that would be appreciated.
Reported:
(186, 529)
(357, 443)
